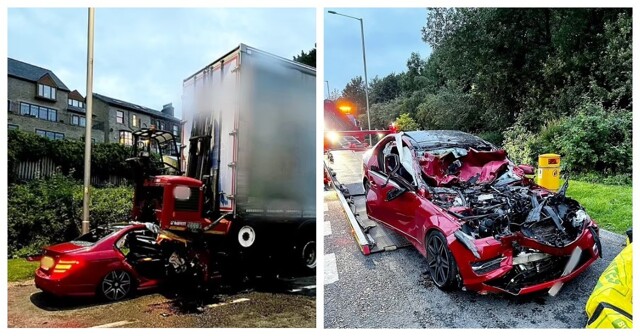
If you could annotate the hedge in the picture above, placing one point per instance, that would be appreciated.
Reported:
(68, 154)
(48, 211)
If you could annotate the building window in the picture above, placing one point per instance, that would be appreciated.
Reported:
(134, 120)
(13, 127)
(161, 126)
(119, 117)
(39, 112)
(78, 120)
(46, 91)
(50, 135)
(76, 103)
(125, 138)
(175, 130)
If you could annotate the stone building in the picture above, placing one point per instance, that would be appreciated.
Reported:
(39, 102)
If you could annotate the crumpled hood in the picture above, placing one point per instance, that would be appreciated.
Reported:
(449, 168)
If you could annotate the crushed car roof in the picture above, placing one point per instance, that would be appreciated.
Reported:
(444, 138)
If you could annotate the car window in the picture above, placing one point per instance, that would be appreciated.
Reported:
(93, 236)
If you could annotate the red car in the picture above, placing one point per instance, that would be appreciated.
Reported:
(481, 223)
(109, 261)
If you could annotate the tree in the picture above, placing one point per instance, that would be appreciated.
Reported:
(385, 89)
(334, 95)
(405, 123)
(307, 58)
(354, 92)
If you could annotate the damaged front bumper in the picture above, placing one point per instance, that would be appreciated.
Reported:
(518, 265)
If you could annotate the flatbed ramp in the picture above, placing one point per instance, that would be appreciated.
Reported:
(371, 236)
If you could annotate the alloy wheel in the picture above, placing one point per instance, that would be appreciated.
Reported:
(438, 260)
(116, 285)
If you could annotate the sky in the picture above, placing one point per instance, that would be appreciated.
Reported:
(390, 37)
(143, 55)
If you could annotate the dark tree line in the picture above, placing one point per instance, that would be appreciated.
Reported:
(527, 73)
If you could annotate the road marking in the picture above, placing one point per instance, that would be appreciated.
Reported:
(300, 289)
(115, 324)
(227, 303)
(327, 228)
(326, 207)
(330, 269)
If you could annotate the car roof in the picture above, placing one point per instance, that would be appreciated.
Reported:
(442, 138)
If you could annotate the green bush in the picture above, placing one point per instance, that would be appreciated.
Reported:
(518, 144)
(48, 211)
(495, 138)
(593, 142)
(68, 154)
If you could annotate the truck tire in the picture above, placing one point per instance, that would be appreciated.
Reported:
(305, 249)
(246, 236)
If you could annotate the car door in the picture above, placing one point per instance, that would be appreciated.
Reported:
(142, 253)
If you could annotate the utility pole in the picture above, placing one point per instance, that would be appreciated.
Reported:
(87, 135)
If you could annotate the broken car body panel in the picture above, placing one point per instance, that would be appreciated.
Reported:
(506, 233)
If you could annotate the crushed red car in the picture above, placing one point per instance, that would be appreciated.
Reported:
(111, 261)
(481, 223)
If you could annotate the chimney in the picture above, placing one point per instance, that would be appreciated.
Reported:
(167, 109)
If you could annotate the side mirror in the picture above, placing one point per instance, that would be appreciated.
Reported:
(527, 169)
(395, 193)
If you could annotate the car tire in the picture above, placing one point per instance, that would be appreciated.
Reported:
(440, 262)
(116, 285)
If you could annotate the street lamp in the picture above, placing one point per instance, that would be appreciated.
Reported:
(88, 124)
(364, 59)
(328, 92)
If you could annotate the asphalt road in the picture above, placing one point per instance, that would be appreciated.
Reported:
(289, 305)
(392, 289)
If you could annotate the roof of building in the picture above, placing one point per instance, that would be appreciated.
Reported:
(134, 107)
(31, 72)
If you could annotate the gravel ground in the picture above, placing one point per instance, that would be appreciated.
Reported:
(29, 307)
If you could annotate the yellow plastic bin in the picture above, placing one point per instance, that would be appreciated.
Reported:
(549, 171)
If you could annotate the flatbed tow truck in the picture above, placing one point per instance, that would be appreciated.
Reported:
(344, 169)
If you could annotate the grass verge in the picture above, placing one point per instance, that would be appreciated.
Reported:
(20, 269)
(608, 205)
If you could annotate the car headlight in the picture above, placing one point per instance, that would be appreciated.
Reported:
(581, 218)
(467, 241)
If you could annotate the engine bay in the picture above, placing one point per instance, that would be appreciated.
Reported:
(489, 210)
(492, 197)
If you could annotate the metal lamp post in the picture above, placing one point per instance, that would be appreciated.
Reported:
(364, 60)
(328, 91)
(87, 136)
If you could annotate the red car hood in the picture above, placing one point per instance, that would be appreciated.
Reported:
(65, 248)
(487, 165)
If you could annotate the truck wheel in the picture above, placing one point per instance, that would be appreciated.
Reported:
(246, 236)
(305, 250)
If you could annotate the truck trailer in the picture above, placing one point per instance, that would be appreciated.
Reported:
(249, 118)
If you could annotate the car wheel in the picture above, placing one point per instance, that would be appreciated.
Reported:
(442, 266)
(116, 285)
